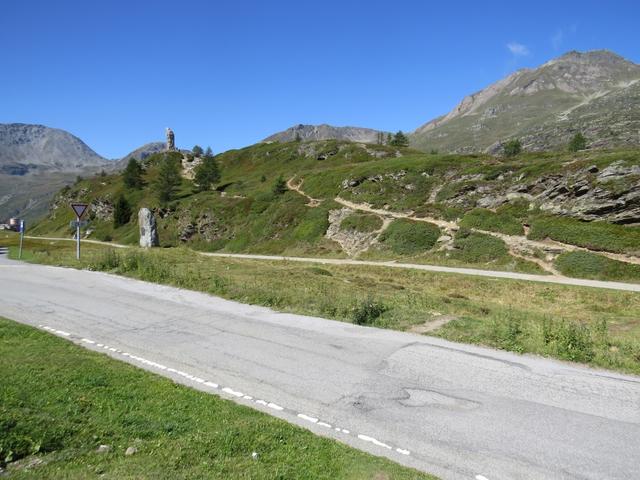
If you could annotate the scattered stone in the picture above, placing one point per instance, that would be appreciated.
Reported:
(148, 229)
(103, 449)
(131, 451)
(255, 455)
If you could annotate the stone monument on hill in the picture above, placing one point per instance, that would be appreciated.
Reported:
(171, 142)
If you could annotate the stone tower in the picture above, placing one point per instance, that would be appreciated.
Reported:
(171, 142)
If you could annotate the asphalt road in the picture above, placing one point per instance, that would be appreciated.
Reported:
(458, 411)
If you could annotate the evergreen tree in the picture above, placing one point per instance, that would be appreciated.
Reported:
(298, 137)
(280, 186)
(512, 148)
(168, 179)
(121, 212)
(208, 152)
(197, 150)
(389, 139)
(400, 140)
(132, 175)
(206, 174)
(578, 142)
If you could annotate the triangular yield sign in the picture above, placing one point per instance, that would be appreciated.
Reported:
(79, 208)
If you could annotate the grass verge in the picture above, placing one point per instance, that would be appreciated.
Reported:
(59, 411)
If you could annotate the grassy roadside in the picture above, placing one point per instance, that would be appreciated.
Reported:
(597, 327)
(59, 412)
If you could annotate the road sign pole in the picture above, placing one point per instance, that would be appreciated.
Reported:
(78, 238)
(79, 209)
(21, 239)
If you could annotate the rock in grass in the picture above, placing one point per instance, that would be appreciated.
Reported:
(255, 455)
(103, 449)
(148, 228)
(131, 451)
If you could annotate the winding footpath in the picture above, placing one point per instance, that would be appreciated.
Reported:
(517, 244)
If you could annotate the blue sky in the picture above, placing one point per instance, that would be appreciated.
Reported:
(227, 74)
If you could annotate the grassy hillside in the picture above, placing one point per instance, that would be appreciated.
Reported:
(376, 201)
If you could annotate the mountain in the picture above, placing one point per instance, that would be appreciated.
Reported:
(596, 93)
(326, 132)
(141, 153)
(34, 148)
(35, 162)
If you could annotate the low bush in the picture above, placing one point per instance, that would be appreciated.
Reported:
(597, 267)
(362, 222)
(484, 219)
(367, 311)
(473, 247)
(409, 238)
(593, 235)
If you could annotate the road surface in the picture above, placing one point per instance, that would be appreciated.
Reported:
(458, 411)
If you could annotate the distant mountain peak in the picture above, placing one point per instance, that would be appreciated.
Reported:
(544, 106)
(37, 148)
(325, 132)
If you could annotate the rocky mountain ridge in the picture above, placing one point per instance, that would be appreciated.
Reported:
(28, 148)
(544, 107)
(327, 132)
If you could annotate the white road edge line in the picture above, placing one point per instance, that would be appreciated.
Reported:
(228, 390)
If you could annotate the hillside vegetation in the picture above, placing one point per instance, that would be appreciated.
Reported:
(339, 199)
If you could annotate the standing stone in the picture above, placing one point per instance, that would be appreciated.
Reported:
(148, 229)
(171, 140)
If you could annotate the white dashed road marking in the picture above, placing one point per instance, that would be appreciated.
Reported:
(232, 392)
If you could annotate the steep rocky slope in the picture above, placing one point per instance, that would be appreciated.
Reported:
(596, 93)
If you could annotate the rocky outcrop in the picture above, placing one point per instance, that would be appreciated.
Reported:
(351, 241)
(206, 225)
(102, 209)
(148, 229)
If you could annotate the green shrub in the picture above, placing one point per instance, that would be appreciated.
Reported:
(279, 186)
(591, 265)
(367, 311)
(473, 247)
(484, 219)
(508, 332)
(593, 235)
(362, 222)
(570, 340)
(313, 225)
(577, 143)
(107, 260)
(121, 212)
(406, 237)
(512, 148)
(206, 174)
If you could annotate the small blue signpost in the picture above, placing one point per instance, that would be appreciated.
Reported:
(22, 227)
